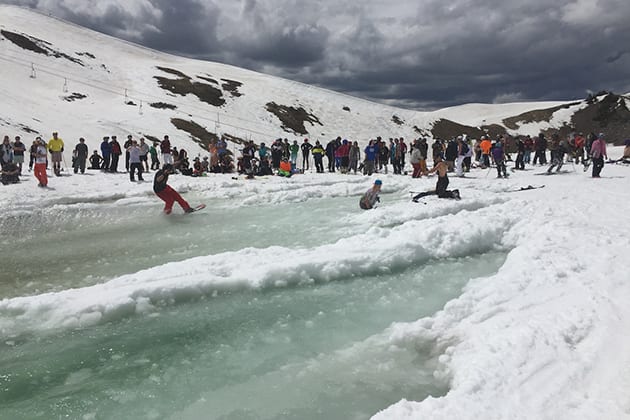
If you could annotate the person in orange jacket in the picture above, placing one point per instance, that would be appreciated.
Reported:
(485, 146)
(285, 168)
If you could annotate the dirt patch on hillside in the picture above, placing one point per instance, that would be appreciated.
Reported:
(397, 120)
(35, 45)
(201, 136)
(197, 132)
(447, 129)
(185, 85)
(87, 54)
(537, 115)
(173, 72)
(232, 87)
(208, 79)
(609, 115)
(74, 96)
(162, 105)
(292, 119)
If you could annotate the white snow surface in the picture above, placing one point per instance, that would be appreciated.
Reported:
(542, 338)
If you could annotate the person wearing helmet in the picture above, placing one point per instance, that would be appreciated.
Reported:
(166, 193)
(370, 198)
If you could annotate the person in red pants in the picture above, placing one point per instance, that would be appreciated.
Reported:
(41, 161)
(166, 193)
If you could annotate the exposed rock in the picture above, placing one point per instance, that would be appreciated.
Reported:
(184, 86)
(232, 87)
(162, 105)
(447, 129)
(609, 115)
(74, 96)
(38, 46)
(292, 118)
(197, 132)
(537, 115)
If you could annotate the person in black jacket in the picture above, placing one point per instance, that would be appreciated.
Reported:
(166, 193)
(80, 156)
(306, 149)
(450, 155)
(520, 154)
(540, 144)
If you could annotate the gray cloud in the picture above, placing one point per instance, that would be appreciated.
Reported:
(414, 54)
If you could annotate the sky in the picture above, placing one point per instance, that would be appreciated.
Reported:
(420, 54)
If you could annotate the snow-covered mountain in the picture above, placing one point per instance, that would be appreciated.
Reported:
(59, 76)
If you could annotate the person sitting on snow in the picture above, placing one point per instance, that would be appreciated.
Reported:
(10, 174)
(285, 168)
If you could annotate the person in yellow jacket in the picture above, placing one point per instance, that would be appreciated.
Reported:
(55, 147)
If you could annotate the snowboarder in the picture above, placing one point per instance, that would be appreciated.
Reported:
(166, 193)
(370, 198)
(440, 188)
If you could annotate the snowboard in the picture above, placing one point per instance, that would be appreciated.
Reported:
(199, 207)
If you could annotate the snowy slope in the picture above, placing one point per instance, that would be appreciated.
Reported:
(112, 73)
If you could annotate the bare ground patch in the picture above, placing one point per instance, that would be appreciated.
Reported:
(447, 129)
(74, 96)
(162, 105)
(292, 119)
(36, 45)
(184, 85)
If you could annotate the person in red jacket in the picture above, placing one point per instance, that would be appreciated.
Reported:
(166, 193)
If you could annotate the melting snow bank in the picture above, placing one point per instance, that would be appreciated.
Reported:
(545, 337)
(374, 251)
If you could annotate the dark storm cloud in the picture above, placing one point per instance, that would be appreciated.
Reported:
(429, 54)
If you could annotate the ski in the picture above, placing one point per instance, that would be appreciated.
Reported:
(527, 188)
